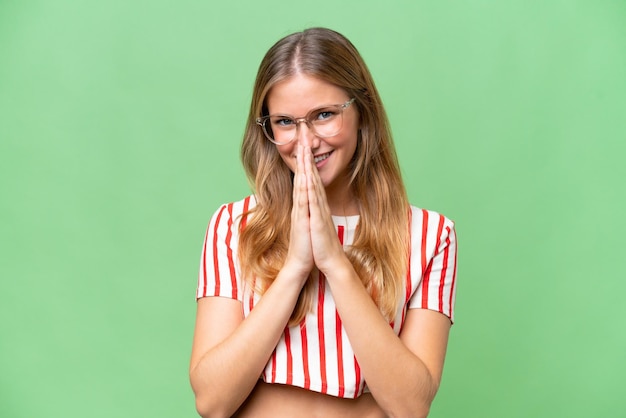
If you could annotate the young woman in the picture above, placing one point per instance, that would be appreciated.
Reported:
(325, 293)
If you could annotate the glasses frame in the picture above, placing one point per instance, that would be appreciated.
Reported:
(340, 107)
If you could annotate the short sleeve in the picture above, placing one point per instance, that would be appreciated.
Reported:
(434, 253)
(219, 272)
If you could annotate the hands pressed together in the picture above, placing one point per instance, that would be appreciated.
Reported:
(313, 240)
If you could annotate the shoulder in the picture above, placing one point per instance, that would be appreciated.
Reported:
(228, 217)
(234, 210)
(423, 217)
(427, 225)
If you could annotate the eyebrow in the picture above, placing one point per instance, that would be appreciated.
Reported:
(312, 110)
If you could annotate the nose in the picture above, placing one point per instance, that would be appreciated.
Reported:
(305, 135)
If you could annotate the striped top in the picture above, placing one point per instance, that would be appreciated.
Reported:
(316, 354)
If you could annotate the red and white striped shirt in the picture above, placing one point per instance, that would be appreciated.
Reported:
(316, 354)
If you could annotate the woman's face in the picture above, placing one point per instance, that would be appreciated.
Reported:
(296, 97)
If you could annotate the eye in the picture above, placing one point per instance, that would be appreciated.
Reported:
(282, 122)
(324, 114)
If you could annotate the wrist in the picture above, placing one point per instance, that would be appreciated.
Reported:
(295, 272)
(339, 269)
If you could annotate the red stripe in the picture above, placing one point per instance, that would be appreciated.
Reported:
(425, 277)
(338, 333)
(453, 274)
(357, 374)
(289, 357)
(246, 204)
(229, 253)
(340, 231)
(216, 269)
(273, 367)
(439, 232)
(305, 356)
(426, 283)
(339, 354)
(251, 300)
(320, 331)
(444, 270)
(424, 233)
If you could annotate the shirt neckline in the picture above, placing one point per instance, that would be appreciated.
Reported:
(349, 222)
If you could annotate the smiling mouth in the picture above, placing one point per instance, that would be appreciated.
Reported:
(322, 157)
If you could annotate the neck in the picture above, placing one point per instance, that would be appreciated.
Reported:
(342, 203)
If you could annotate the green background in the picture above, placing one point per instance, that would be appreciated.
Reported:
(120, 125)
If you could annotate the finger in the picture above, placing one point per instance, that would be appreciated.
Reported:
(312, 176)
(299, 251)
(320, 214)
(317, 192)
(300, 180)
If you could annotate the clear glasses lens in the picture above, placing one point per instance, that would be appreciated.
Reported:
(324, 122)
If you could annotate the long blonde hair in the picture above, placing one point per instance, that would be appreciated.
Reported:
(379, 253)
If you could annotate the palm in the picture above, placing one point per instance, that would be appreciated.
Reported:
(300, 253)
(325, 244)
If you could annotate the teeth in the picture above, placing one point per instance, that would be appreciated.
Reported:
(321, 157)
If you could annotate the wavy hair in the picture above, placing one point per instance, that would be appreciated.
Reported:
(379, 253)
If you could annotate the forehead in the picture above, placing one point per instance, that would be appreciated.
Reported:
(298, 94)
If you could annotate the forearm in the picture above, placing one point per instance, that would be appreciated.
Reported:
(224, 375)
(398, 379)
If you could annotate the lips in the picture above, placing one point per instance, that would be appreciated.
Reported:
(321, 157)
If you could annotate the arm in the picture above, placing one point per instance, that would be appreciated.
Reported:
(229, 352)
(403, 373)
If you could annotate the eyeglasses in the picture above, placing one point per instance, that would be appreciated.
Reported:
(324, 122)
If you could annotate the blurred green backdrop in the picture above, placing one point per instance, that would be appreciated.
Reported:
(120, 124)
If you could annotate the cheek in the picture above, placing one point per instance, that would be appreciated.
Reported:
(350, 142)
(352, 135)
(285, 153)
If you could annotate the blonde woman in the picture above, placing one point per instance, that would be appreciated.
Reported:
(325, 293)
